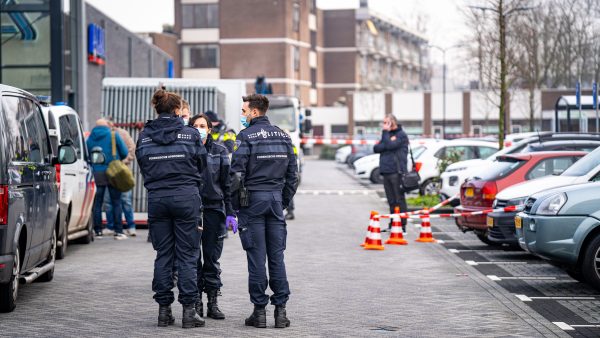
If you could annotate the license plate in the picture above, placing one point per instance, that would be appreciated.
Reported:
(518, 222)
(469, 192)
(490, 222)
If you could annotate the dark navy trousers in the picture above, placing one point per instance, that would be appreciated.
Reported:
(209, 271)
(173, 223)
(263, 234)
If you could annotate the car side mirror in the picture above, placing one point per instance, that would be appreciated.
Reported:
(97, 156)
(66, 155)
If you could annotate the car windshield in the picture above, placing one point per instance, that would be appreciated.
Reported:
(584, 165)
(283, 117)
(418, 151)
(500, 169)
(517, 148)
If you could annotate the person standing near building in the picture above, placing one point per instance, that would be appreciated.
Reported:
(185, 112)
(393, 148)
(220, 133)
(217, 212)
(102, 137)
(126, 197)
(171, 158)
(265, 170)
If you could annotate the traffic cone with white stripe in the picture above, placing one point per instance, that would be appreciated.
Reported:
(374, 240)
(396, 236)
(425, 236)
(373, 213)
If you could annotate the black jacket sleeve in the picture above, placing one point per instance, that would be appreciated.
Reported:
(380, 147)
(225, 181)
(291, 177)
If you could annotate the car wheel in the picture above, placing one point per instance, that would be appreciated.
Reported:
(590, 267)
(89, 238)
(10, 290)
(62, 251)
(376, 176)
(430, 187)
(49, 275)
(484, 238)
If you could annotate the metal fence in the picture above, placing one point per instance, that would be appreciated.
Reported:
(130, 107)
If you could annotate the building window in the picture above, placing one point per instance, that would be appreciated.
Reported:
(200, 16)
(296, 58)
(296, 17)
(201, 56)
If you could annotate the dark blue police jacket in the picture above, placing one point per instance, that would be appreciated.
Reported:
(394, 151)
(171, 157)
(217, 182)
(264, 159)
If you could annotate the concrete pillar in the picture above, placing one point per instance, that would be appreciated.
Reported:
(350, 105)
(466, 114)
(427, 118)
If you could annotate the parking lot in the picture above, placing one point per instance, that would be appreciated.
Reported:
(458, 287)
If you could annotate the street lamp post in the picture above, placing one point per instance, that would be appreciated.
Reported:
(444, 69)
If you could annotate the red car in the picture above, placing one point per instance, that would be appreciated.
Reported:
(478, 193)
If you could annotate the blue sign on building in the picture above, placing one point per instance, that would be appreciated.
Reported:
(96, 52)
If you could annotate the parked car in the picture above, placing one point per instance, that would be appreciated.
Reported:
(457, 173)
(341, 155)
(76, 181)
(563, 226)
(28, 194)
(427, 154)
(358, 152)
(479, 193)
(587, 169)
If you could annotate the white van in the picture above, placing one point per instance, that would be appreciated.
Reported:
(76, 181)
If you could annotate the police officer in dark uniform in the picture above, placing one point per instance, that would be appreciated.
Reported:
(264, 166)
(171, 158)
(220, 134)
(217, 212)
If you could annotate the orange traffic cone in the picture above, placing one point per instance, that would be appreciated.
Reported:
(396, 236)
(373, 213)
(425, 236)
(374, 240)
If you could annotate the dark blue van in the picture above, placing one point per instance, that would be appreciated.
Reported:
(28, 194)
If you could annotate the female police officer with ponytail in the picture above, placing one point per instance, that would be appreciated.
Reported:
(171, 158)
(216, 201)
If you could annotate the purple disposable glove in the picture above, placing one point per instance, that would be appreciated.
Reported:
(231, 223)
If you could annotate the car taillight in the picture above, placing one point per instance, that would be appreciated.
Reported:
(57, 167)
(353, 149)
(4, 204)
(418, 166)
(489, 191)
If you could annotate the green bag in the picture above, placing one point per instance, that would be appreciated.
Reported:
(119, 175)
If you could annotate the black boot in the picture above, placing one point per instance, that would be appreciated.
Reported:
(165, 316)
(190, 318)
(281, 319)
(212, 308)
(199, 306)
(258, 318)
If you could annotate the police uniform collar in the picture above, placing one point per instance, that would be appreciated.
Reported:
(258, 119)
(166, 115)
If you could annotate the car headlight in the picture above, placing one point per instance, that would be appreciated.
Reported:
(516, 201)
(552, 204)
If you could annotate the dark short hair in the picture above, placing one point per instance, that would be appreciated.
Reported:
(258, 102)
(201, 116)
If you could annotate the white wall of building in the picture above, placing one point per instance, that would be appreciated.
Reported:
(369, 106)
(454, 106)
(328, 116)
(408, 106)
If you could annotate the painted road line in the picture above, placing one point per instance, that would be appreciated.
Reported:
(474, 263)
(564, 326)
(337, 192)
(454, 251)
(529, 299)
(496, 278)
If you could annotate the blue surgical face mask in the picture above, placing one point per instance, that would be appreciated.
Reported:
(185, 121)
(203, 133)
(244, 121)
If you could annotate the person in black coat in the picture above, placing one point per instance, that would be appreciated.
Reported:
(393, 148)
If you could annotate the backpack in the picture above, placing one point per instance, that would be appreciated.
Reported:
(119, 175)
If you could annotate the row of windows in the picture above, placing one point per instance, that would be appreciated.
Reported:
(200, 16)
(26, 130)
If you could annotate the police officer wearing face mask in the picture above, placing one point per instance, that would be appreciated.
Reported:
(217, 212)
(171, 158)
(264, 166)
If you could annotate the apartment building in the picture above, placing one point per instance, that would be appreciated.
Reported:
(316, 55)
